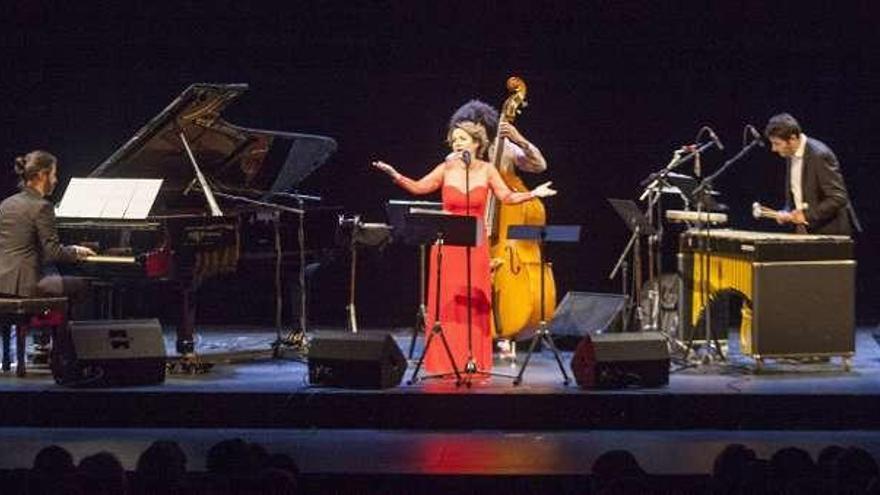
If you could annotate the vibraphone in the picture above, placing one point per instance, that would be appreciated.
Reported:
(797, 290)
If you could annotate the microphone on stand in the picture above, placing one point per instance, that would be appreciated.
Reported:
(190, 186)
(697, 167)
(466, 158)
(714, 137)
(756, 136)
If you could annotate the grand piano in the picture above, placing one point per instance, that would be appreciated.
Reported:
(180, 242)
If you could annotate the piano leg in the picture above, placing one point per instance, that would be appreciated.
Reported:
(189, 362)
(186, 327)
(6, 328)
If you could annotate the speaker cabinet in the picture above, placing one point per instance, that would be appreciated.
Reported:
(621, 360)
(367, 360)
(103, 353)
(585, 313)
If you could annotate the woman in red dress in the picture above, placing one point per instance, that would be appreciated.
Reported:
(451, 177)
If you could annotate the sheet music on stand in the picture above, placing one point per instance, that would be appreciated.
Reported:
(109, 198)
(632, 216)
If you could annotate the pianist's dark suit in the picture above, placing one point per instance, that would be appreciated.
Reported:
(29, 246)
(823, 190)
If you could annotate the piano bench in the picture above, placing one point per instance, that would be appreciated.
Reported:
(26, 314)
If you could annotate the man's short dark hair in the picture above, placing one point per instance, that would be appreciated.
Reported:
(782, 126)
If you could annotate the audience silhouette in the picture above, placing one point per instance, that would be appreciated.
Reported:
(237, 467)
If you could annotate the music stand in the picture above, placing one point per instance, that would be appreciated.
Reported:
(396, 211)
(543, 234)
(443, 229)
(632, 216)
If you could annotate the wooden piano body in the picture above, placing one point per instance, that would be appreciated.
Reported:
(180, 243)
(797, 290)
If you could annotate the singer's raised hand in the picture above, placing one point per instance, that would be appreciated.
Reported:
(543, 190)
(388, 169)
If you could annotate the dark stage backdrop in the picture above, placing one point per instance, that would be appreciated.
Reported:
(614, 87)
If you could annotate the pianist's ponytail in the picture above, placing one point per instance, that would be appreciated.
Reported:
(29, 166)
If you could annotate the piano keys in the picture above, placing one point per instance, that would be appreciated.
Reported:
(797, 290)
(179, 243)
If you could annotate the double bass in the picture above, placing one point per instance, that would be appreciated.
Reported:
(516, 282)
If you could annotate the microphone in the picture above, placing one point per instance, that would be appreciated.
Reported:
(190, 186)
(714, 138)
(466, 158)
(756, 136)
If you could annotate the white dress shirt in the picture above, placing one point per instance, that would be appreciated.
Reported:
(796, 173)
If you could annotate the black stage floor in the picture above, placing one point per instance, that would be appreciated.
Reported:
(261, 392)
(432, 428)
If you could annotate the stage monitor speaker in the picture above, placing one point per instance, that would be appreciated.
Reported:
(102, 353)
(367, 360)
(621, 360)
(586, 313)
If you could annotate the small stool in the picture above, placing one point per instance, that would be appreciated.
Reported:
(27, 313)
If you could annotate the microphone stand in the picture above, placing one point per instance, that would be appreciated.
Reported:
(704, 226)
(470, 367)
(653, 191)
(280, 340)
(652, 180)
(301, 240)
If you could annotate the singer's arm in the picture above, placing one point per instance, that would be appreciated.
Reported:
(425, 185)
(507, 196)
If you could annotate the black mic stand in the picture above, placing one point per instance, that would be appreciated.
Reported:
(702, 194)
(470, 367)
(654, 184)
(293, 335)
(295, 339)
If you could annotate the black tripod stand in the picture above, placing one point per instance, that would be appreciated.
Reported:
(630, 213)
(543, 234)
(396, 210)
(444, 229)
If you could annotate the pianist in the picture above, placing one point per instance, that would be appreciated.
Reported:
(29, 245)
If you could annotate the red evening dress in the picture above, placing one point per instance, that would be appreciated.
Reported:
(453, 292)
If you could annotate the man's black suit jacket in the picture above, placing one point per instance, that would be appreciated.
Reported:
(824, 191)
(28, 241)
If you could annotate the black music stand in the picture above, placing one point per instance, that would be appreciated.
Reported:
(639, 225)
(396, 211)
(543, 234)
(443, 229)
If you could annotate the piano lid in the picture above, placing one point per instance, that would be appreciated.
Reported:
(230, 156)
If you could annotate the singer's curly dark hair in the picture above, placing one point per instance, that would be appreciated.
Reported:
(477, 112)
(782, 126)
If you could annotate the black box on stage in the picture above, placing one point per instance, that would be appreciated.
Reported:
(355, 360)
(103, 353)
(585, 313)
(621, 360)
